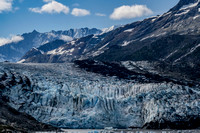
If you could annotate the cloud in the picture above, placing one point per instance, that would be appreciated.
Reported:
(128, 12)
(100, 14)
(12, 39)
(80, 12)
(5, 5)
(66, 38)
(51, 7)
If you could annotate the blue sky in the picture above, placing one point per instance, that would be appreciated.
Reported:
(20, 16)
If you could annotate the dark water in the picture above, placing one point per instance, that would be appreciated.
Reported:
(126, 131)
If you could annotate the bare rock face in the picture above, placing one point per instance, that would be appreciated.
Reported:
(68, 97)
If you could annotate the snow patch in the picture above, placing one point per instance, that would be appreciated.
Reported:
(97, 53)
(195, 17)
(153, 19)
(56, 51)
(170, 54)
(73, 42)
(50, 35)
(71, 50)
(61, 51)
(66, 38)
(104, 46)
(191, 5)
(147, 37)
(106, 30)
(167, 13)
(95, 36)
(182, 13)
(100, 50)
(21, 61)
(154, 35)
(191, 51)
(125, 43)
(161, 34)
(129, 30)
(140, 65)
(157, 17)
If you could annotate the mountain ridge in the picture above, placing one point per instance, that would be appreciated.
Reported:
(182, 3)
(14, 51)
(177, 21)
(141, 75)
(171, 39)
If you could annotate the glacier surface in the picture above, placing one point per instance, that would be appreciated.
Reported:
(65, 96)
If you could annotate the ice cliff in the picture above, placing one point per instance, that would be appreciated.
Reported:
(68, 97)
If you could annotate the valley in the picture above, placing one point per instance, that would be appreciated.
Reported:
(141, 76)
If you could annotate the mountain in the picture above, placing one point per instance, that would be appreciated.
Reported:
(37, 52)
(105, 30)
(183, 19)
(76, 49)
(141, 75)
(14, 51)
(183, 3)
(136, 36)
(171, 39)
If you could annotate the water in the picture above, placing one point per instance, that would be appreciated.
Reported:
(124, 131)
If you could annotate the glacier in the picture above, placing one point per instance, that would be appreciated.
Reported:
(66, 96)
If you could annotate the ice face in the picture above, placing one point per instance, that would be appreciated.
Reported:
(65, 96)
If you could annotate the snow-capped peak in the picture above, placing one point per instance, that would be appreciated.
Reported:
(105, 30)
(184, 4)
(190, 5)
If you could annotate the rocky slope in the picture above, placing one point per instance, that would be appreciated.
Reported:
(13, 121)
(65, 96)
(172, 37)
(76, 49)
(153, 84)
(169, 42)
(175, 32)
(14, 51)
(73, 50)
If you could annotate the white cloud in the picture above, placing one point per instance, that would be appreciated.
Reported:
(128, 12)
(66, 38)
(12, 39)
(51, 7)
(100, 14)
(5, 5)
(80, 12)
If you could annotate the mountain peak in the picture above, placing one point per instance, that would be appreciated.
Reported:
(35, 31)
(183, 3)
